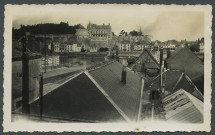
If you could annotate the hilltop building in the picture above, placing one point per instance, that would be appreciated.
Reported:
(100, 35)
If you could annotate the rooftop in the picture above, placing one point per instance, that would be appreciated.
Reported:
(95, 95)
(183, 107)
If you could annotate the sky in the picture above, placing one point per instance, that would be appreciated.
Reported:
(162, 23)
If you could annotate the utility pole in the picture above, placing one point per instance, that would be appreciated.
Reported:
(45, 52)
(41, 96)
(25, 77)
(161, 69)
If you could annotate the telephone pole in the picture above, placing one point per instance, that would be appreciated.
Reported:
(45, 52)
(25, 77)
(41, 96)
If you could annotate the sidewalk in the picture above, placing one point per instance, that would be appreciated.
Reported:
(62, 70)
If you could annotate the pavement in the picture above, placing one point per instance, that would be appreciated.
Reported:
(62, 70)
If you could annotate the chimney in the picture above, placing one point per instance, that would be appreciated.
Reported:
(123, 75)
(168, 54)
(154, 95)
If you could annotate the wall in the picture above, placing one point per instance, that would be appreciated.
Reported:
(35, 69)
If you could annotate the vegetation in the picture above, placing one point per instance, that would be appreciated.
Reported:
(135, 33)
(47, 28)
(194, 48)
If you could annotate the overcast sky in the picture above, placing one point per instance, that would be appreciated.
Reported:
(161, 24)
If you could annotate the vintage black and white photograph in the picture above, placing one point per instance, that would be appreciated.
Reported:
(107, 64)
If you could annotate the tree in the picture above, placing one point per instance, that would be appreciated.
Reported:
(194, 48)
(134, 33)
(48, 28)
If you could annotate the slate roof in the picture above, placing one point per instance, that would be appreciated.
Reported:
(184, 59)
(78, 100)
(96, 95)
(181, 106)
(173, 81)
(156, 65)
(180, 51)
(126, 96)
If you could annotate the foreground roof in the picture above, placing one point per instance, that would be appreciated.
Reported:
(126, 96)
(96, 95)
(183, 107)
(78, 100)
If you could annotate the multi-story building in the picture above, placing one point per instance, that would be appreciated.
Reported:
(56, 46)
(76, 48)
(125, 46)
(100, 35)
(138, 46)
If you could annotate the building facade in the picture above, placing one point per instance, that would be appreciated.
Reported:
(100, 35)
(125, 46)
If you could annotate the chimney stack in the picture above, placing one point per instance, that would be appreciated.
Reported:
(168, 54)
(123, 75)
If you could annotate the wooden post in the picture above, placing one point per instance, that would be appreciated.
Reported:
(41, 96)
(45, 52)
(25, 78)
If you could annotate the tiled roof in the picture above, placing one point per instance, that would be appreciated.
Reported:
(78, 100)
(181, 106)
(126, 96)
